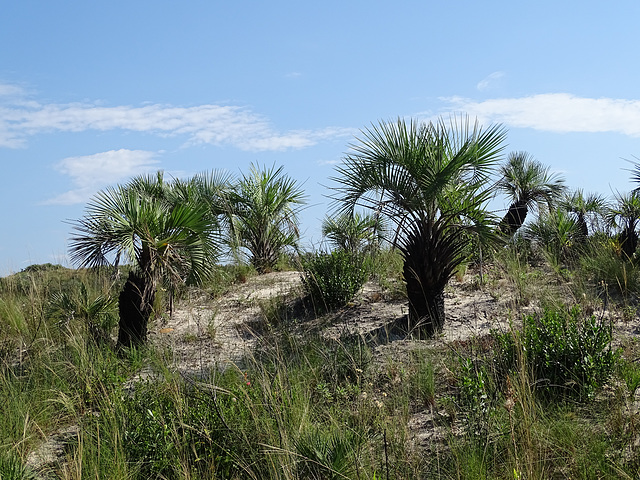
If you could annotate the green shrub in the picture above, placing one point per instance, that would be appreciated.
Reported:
(568, 353)
(333, 279)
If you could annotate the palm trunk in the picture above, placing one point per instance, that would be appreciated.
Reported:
(135, 306)
(629, 242)
(514, 218)
(426, 271)
(582, 227)
(426, 307)
(265, 257)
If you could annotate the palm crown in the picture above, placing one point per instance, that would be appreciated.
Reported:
(354, 232)
(584, 207)
(528, 184)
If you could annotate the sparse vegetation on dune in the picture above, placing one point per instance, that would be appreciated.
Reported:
(314, 370)
(495, 402)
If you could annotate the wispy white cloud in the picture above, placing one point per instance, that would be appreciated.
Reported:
(555, 112)
(12, 90)
(489, 81)
(324, 163)
(214, 124)
(89, 173)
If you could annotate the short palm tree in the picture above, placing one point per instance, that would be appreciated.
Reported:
(429, 181)
(98, 311)
(625, 215)
(528, 184)
(584, 207)
(264, 207)
(355, 232)
(557, 234)
(161, 234)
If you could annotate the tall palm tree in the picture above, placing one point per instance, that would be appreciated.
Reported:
(143, 224)
(528, 184)
(353, 232)
(625, 215)
(264, 208)
(429, 180)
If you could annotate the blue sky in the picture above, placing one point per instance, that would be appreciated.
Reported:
(92, 93)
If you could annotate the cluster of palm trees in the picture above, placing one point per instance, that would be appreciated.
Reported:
(425, 187)
(433, 182)
(177, 231)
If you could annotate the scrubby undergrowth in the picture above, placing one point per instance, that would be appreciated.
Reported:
(244, 380)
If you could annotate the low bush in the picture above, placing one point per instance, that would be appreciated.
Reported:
(568, 353)
(333, 279)
(607, 267)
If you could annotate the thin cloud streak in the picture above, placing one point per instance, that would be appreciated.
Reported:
(489, 81)
(555, 112)
(213, 124)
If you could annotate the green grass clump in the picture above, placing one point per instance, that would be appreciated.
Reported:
(12, 468)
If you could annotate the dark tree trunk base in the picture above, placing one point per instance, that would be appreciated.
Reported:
(426, 312)
(429, 257)
(629, 242)
(134, 312)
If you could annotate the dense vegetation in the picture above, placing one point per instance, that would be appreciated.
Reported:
(554, 396)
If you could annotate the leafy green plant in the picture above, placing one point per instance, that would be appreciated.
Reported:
(327, 455)
(332, 279)
(475, 395)
(97, 311)
(568, 353)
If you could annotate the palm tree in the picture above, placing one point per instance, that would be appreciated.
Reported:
(353, 232)
(625, 215)
(557, 233)
(97, 311)
(429, 180)
(528, 184)
(264, 206)
(583, 207)
(161, 233)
